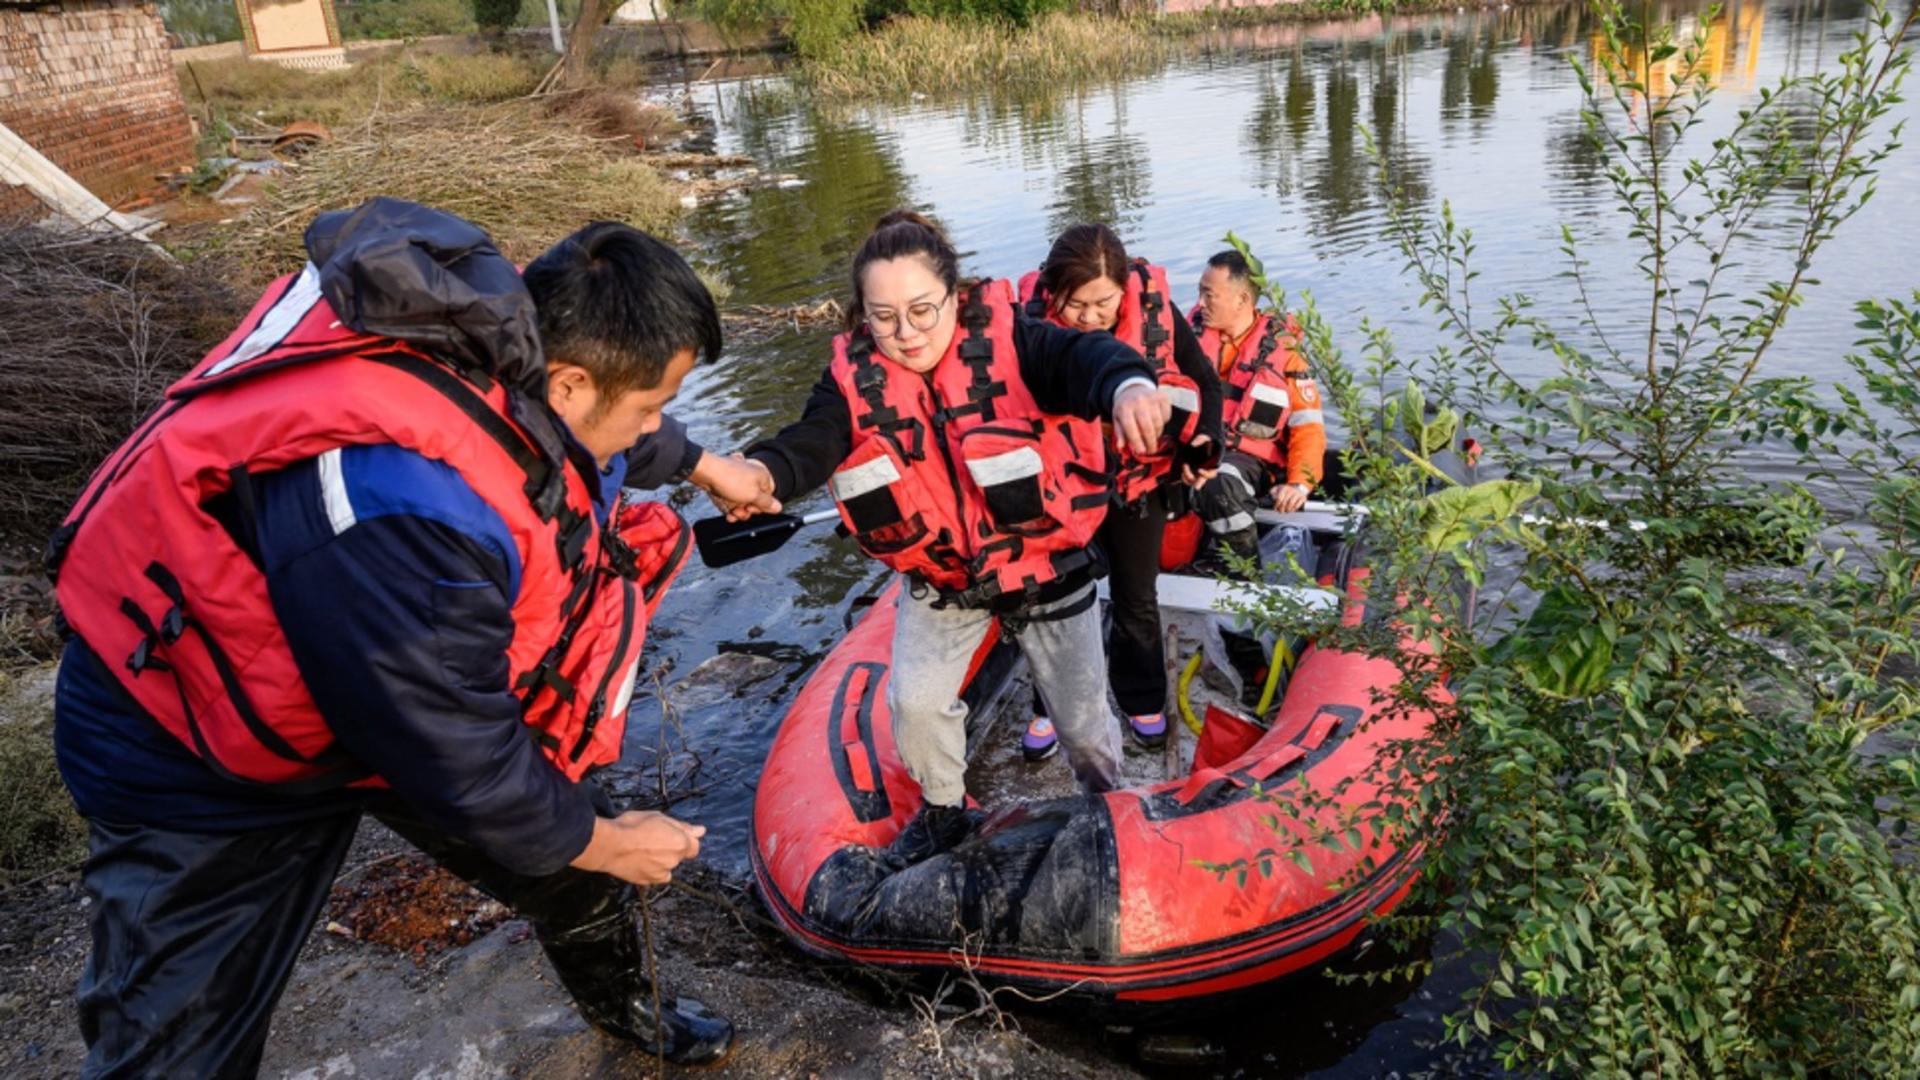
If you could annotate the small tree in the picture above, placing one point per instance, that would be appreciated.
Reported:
(1646, 811)
(495, 17)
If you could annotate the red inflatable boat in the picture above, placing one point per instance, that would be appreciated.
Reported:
(1095, 895)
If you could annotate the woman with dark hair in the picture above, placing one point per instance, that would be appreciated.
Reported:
(1088, 283)
(962, 443)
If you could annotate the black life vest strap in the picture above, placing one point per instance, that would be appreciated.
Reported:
(545, 676)
(462, 395)
(1037, 304)
(1153, 336)
(174, 623)
(870, 382)
(976, 351)
(1263, 359)
(1013, 624)
(651, 588)
(573, 612)
(986, 592)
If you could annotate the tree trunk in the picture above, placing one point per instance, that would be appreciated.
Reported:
(586, 26)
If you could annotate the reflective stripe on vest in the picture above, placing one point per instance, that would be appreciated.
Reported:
(1020, 464)
(861, 479)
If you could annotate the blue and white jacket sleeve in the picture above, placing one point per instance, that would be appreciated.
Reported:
(394, 583)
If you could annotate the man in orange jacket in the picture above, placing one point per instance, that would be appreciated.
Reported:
(1275, 429)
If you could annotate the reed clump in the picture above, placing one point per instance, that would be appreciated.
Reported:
(397, 79)
(919, 55)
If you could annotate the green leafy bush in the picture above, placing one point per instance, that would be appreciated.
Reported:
(495, 16)
(395, 19)
(1672, 764)
(818, 26)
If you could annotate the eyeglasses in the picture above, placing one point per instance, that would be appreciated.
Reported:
(922, 316)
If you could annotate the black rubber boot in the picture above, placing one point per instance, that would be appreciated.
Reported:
(1212, 562)
(600, 964)
(933, 830)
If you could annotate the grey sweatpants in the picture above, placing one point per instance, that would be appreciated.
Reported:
(931, 650)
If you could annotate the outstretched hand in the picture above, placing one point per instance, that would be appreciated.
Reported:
(739, 486)
(1139, 413)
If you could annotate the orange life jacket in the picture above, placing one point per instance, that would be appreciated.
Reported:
(153, 572)
(1256, 403)
(1145, 323)
(957, 478)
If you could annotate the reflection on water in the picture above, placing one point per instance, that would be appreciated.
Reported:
(1261, 132)
(1729, 56)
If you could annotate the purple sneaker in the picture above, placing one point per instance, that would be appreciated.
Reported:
(1040, 742)
(1149, 730)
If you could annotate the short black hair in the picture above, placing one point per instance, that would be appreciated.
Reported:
(621, 304)
(1234, 263)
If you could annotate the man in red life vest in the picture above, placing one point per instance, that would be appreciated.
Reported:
(1272, 413)
(371, 555)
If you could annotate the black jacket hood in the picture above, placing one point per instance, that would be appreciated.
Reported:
(433, 280)
(436, 282)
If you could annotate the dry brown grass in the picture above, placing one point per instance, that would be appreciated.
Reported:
(39, 829)
(613, 114)
(394, 80)
(526, 179)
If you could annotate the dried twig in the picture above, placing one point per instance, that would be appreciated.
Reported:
(93, 328)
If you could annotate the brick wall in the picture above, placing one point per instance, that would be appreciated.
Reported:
(90, 84)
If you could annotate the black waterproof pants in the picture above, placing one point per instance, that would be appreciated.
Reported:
(195, 935)
(1228, 501)
(1136, 656)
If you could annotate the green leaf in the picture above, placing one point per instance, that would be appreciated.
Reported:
(1453, 516)
(1564, 649)
(1437, 434)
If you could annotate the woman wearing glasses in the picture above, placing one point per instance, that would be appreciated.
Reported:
(963, 446)
(1088, 283)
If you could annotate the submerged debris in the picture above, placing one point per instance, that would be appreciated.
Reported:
(758, 321)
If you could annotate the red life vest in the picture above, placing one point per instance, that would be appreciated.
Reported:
(1256, 401)
(159, 582)
(957, 478)
(1145, 323)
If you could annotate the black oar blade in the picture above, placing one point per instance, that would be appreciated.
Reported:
(723, 543)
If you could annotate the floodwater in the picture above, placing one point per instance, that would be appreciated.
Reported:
(1260, 133)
